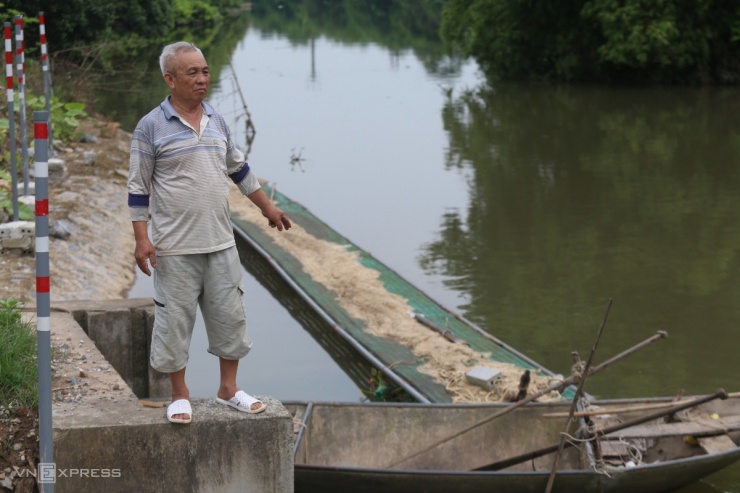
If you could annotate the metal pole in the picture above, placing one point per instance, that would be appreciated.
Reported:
(21, 71)
(43, 299)
(48, 92)
(11, 118)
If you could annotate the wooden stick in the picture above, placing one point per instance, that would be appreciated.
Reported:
(155, 404)
(446, 333)
(613, 410)
(576, 398)
(502, 464)
(555, 386)
(625, 409)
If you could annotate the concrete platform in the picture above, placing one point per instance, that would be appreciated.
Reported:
(106, 441)
(222, 450)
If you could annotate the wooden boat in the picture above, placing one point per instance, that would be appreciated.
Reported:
(405, 447)
(378, 352)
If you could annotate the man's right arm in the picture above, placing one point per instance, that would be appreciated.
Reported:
(144, 248)
(139, 188)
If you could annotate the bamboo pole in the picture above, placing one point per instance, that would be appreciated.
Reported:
(576, 398)
(625, 409)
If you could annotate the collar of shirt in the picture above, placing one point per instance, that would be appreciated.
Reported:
(169, 112)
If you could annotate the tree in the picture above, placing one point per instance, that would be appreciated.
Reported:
(694, 41)
(80, 22)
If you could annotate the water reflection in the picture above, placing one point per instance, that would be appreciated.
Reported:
(584, 194)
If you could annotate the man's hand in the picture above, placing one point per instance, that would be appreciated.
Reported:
(145, 251)
(276, 218)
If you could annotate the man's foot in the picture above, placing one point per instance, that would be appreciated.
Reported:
(241, 401)
(179, 412)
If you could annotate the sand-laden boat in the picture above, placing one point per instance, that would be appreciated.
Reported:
(406, 447)
(417, 344)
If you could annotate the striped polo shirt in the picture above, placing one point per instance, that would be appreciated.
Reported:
(178, 180)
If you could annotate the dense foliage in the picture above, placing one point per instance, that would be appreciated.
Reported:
(696, 41)
(81, 22)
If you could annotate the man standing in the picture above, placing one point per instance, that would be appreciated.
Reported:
(181, 157)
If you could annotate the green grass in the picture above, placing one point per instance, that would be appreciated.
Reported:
(18, 368)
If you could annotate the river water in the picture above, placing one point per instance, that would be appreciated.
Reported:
(525, 208)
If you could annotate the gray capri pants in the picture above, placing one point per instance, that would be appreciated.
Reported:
(181, 283)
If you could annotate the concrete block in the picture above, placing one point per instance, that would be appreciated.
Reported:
(110, 442)
(221, 451)
(483, 377)
(17, 229)
(111, 332)
(139, 354)
(26, 244)
(57, 170)
(18, 235)
(31, 188)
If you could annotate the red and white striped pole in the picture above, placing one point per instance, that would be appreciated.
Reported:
(11, 117)
(43, 298)
(47, 76)
(21, 74)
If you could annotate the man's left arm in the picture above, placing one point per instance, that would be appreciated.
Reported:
(276, 218)
(246, 182)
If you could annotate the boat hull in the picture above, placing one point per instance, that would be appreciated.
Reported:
(417, 448)
(647, 479)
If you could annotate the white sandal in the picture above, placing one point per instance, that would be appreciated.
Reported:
(181, 406)
(243, 402)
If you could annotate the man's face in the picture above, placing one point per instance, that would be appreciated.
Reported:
(191, 77)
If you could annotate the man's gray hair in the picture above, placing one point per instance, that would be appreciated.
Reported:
(167, 58)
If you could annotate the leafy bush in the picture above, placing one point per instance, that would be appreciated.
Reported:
(65, 117)
(190, 12)
(18, 368)
(25, 213)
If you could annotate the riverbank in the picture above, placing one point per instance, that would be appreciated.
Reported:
(95, 261)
